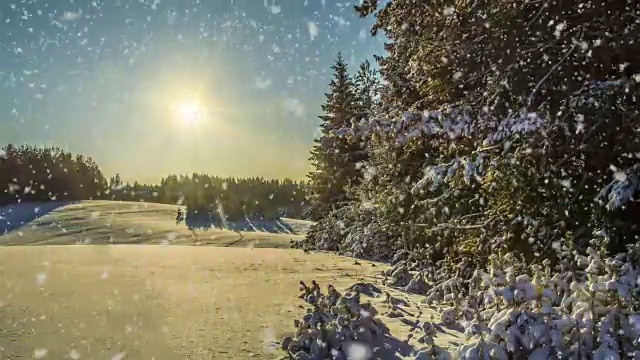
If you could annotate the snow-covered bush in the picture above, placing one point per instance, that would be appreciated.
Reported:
(366, 238)
(586, 306)
(328, 233)
(324, 235)
(583, 305)
(418, 285)
(336, 326)
(353, 230)
(431, 351)
(407, 272)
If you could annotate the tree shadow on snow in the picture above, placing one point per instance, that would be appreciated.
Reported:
(392, 348)
(274, 226)
(15, 216)
(207, 219)
(455, 327)
(386, 346)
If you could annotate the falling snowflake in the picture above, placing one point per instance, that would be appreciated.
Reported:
(358, 351)
(449, 11)
(313, 29)
(559, 28)
(70, 16)
(620, 176)
(263, 83)
(74, 354)
(41, 277)
(566, 183)
(269, 339)
(275, 9)
(362, 36)
(40, 353)
(119, 356)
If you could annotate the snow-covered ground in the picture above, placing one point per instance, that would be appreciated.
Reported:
(105, 222)
(163, 301)
(173, 302)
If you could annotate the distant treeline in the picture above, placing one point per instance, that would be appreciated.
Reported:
(30, 173)
(235, 197)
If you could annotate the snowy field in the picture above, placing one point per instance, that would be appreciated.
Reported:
(162, 302)
(109, 222)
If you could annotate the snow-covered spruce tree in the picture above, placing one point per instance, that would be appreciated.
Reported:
(335, 157)
(500, 54)
(367, 90)
(338, 157)
(364, 227)
(496, 63)
(521, 182)
(489, 183)
(520, 163)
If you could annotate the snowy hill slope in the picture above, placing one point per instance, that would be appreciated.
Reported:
(111, 222)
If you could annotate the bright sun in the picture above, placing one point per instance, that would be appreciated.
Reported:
(189, 112)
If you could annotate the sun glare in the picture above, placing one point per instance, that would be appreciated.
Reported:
(189, 112)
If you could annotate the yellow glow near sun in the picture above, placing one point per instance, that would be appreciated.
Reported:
(189, 111)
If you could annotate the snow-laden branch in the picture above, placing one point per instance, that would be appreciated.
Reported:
(593, 93)
(452, 125)
(436, 175)
(623, 189)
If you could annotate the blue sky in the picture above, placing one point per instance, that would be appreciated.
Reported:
(105, 77)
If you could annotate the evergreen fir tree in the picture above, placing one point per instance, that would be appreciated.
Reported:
(521, 100)
(366, 88)
(336, 153)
